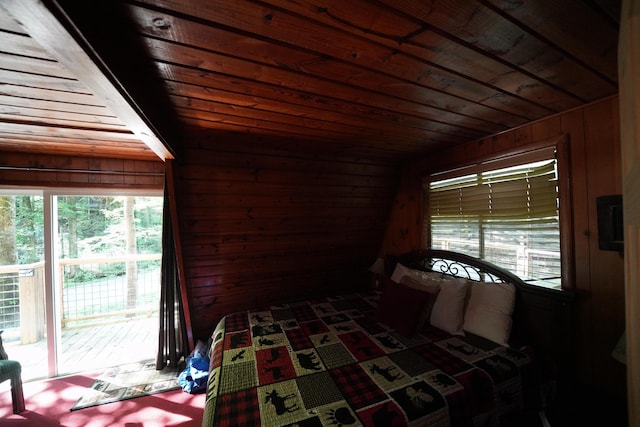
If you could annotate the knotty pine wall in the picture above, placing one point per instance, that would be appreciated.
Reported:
(263, 223)
(593, 132)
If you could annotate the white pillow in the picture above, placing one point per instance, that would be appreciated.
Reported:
(401, 270)
(448, 310)
(489, 311)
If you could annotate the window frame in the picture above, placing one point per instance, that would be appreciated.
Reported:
(511, 158)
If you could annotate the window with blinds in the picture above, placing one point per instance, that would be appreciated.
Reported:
(508, 216)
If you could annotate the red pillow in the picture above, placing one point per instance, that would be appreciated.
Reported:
(400, 307)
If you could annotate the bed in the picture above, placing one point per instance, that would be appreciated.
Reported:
(440, 343)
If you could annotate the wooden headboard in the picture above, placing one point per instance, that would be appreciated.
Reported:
(543, 318)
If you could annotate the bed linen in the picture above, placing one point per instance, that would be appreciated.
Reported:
(329, 362)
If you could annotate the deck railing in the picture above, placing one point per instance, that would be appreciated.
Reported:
(22, 300)
(517, 258)
(91, 290)
(10, 306)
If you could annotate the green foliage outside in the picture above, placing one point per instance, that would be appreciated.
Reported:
(87, 226)
(29, 229)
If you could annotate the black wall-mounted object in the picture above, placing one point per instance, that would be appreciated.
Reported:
(610, 223)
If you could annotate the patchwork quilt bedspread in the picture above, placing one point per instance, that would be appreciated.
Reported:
(327, 362)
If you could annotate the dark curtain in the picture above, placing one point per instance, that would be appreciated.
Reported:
(172, 337)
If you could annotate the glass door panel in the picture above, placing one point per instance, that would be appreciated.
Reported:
(108, 269)
(22, 285)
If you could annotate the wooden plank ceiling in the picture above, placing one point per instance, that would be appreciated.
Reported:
(387, 79)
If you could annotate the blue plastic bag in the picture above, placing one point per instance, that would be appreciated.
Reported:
(193, 379)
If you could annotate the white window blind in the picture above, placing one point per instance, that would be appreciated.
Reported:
(508, 216)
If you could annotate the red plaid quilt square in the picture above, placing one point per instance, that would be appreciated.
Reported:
(361, 346)
(357, 387)
(298, 339)
(236, 322)
(238, 409)
(304, 313)
(442, 359)
(216, 355)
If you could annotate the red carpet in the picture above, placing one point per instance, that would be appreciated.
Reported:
(48, 404)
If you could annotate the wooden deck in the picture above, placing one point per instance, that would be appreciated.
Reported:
(90, 348)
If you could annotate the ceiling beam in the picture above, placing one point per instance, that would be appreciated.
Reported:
(49, 26)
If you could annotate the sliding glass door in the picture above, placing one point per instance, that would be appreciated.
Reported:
(82, 285)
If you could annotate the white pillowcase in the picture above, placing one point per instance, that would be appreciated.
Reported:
(401, 270)
(448, 309)
(489, 311)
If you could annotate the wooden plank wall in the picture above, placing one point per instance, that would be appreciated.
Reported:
(629, 77)
(593, 132)
(266, 221)
(43, 170)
